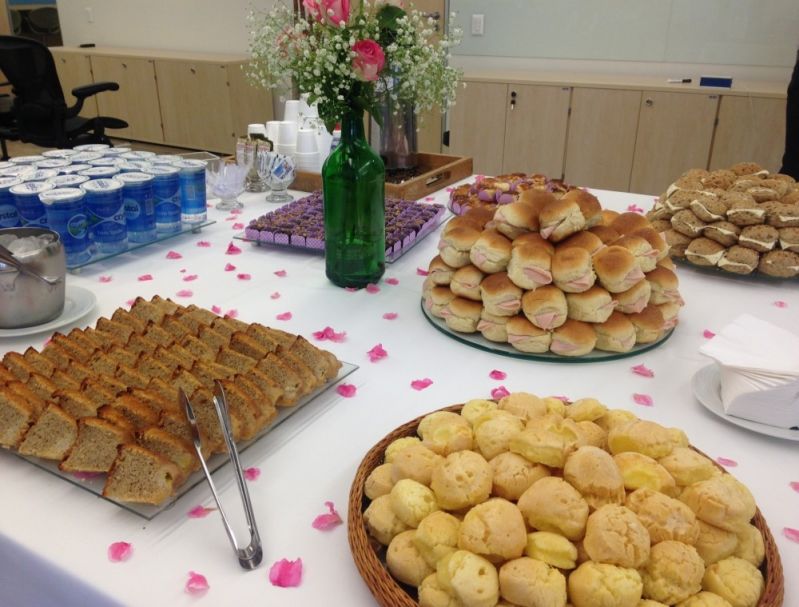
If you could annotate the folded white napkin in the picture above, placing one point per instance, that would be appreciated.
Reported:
(759, 368)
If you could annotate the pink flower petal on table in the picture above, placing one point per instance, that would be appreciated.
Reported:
(372, 288)
(643, 399)
(229, 267)
(119, 551)
(204, 244)
(780, 304)
(499, 393)
(185, 293)
(643, 371)
(346, 390)
(377, 353)
(708, 334)
(422, 272)
(275, 295)
(199, 512)
(286, 574)
(634, 208)
(237, 226)
(497, 374)
(390, 315)
(726, 462)
(329, 334)
(189, 278)
(216, 309)
(182, 270)
(392, 281)
(429, 198)
(235, 211)
(563, 399)
(281, 273)
(105, 279)
(86, 476)
(350, 289)
(145, 277)
(209, 206)
(421, 384)
(450, 190)
(130, 302)
(174, 255)
(326, 522)
(197, 584)
(232, 249)
(791, 534)
(243, 276)
(231, 218)
(252, 474)
(232, 313)
(284, 316)
(794, 485)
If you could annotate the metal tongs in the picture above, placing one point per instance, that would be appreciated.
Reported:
(249, 557)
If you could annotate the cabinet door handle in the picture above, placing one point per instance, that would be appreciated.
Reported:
(192, 70)
(649, 102)
(513, 100)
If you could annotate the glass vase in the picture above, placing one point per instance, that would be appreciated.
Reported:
(353, 189)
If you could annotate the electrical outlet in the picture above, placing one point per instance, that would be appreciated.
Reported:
(478, 25)
(89, 14)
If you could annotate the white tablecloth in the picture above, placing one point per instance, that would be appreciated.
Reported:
(52, 533)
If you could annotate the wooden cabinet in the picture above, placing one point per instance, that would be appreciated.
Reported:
(749, 129)
(601, 141)
(136, 101)
(74, 70)
(249, 104)
(477, 125)
(675, 132)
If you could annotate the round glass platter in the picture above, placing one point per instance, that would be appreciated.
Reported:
(476, 340)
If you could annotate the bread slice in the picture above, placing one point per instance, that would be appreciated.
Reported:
(263, 403)
(282, 375)
(309, 381)
(57, 355)
(186, 381)
(6, 375)
(235, 360)
(141, 476)
(89, 338)
(206, 317)
(323, 364)
(16, 416)
(177, 425)
(163, 387)
(244, 344)
(78, 371)
(177, 329)
(116, 417)
(123, 355)
(118, 332)
(167, 305)
(21, 368)
(158, 335)
(42, 386)
(208, 422)
(39, 362)
(102, 364)
(199, 349)
(37, 403)
(140, 343)
(264, 336)
(133, 378)
(172, 448)
(140, 415)
(244, 413)
(63, 379)
(213, 338)
(270, 392)
(102, 389)
(77, 403)
(126, 318)
(147, 311)
(155, 400)
(96, 446)
(73, 349)
(52, 436)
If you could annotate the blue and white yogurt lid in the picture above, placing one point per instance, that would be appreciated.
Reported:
(26, 159)
(190, 165)
(92, 147)
(28, 188)
(39, 175)
(162, 170)
(17, 170)
(74, 168)
(166, 159)
(100, 171)
(61, 195)
(59, 153)
(138, 155)
(5, 164)
(105, 161)
(101, 185)
(134, 178)
(7, 183)
(86, 156)
(52, 163)
(65, 181)
(116, 151)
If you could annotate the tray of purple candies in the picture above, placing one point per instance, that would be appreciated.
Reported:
(300, 224)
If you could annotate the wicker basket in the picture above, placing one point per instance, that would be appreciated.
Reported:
(370, 556)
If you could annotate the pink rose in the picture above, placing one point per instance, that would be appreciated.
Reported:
(369, 60)
(336, 12)
(313, 9)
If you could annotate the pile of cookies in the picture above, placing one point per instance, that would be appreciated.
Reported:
(529, 501)
(560, 275)
(488, 192)
(741, 220)
(105, 399)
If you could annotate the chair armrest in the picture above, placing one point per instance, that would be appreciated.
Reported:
(81, 92)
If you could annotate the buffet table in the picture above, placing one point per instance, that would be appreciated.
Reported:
(54, 536)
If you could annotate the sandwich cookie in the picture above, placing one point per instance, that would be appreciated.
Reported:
(722, 232)
(781, 264)
(761, 238)
(704, 252)
(677, 242)
(745, 213)
(708, 207)
(789, 239)
(685, 222)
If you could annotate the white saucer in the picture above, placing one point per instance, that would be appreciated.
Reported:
(706, 385)
(78, 302)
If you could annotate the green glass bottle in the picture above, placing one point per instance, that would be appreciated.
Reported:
(353, 188)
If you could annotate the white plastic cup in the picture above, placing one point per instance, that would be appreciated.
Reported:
(273, 130)
(256, 129)
(291, 111)
(286, 150)
(306, 141)
(287, 134)
(306, 110)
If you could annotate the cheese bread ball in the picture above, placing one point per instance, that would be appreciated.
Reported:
(737, 581)
(650, 603)
(601, 585)
(714, 544)
(437, 536)
(664, 517)
(678, 437)
(381, 522)
(475, 408)
(586, 410)
(415, 462)
(593, 434)
(494, 430)
(750, 545)
(616, 536)
(687, 466)
(552, 504)
(495, 530)
(463, 479)
(531, 583)
(431, 594)
(513, 475)
(551, 548)
(378, 482)
(445, 432)
(470, 578)
(548, 445)
(411, 501)
(704, 599)
(640, 436)
(555, 405)
(673, 572)
(722, 501)
(397, 446)
(523, 405)
(595, 475)
(613, 418)
(404, 561)
(641, 471)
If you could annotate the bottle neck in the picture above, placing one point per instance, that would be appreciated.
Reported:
(352, 126)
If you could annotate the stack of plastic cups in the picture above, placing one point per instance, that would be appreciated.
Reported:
(59, 153)
(100, 172)
(193, 207)
(273, 131)
(9, 216)
(287, 138)
(137, 194)
(92, 147)
(53, 163)
(166, 191)
(106, 209)
(66, 214)
(30, 208)
(73, 169)
(67, 181)
(39, 175)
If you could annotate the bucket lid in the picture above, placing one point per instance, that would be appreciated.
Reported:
(138, 155)
(39, 175)
(100, 171)
(86, 156)
(162, 170)
(59, 153)
(26, 159)
(64, 181)
(74, 168)
(9, 182)
(31, 187)
(101, 185)
(115, 151)
(61, 195)
(105, 161)
(134, 178)
(17, 170)
(52, 163)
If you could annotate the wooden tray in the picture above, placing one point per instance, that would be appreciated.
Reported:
(369, 555)
(439, 171)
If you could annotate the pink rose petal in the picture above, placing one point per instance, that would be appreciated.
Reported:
(238, 226)
(185, 293)
(708, 334)
(275, 295)
(243, 276)
(392, 281)
(130, 302)
(499, 393)
(726, 462)
(252, 474)
(429, 198)
(350, 289)
(216, 309)
(199, 512)
(174, 255)
(372, 288)
(284, 316)
(643, 399)
(281, 273)
(794, 485)
(232, 249)
(204, 244)
(105, 279)
(189, 277)
(183, 270)
(563, 399)
(377, 353)
(791, 534)
(231, 218)
(781, 304)
(235, 211)
(390, 315)
(119, 551)
(229, 267)
(634, 208)
(643, 371)
(232, 313)
(497, 374)
(346, 390)
(145, 277)
(421, 384)
(86, 476)
(329, 334)
(450, 190)
(422, 272)
(286, 574)
(326, 522)
(197, 584)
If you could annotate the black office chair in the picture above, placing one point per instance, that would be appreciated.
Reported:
(39, 112)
